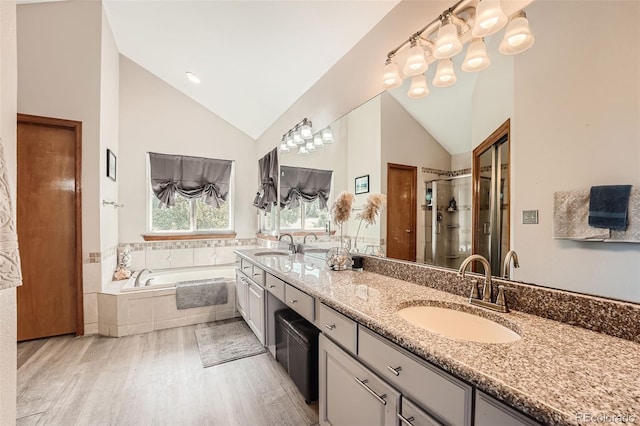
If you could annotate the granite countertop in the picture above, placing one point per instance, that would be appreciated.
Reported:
(555, 372)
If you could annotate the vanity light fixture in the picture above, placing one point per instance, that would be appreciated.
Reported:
(444, 37)
(302, 137)
(192, 77)
(517, 36)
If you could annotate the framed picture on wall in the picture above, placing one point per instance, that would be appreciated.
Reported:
(362, 184)
(111, 165)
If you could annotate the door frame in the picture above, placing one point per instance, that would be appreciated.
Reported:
(414, 203)
(499, 133)
(76, 127)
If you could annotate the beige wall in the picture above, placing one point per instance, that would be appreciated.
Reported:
(576, 125)
(156, 117)
(8, 100)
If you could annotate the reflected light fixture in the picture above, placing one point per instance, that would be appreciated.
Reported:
(192, 77)
(419, 88)
(489, 18)
(477, 58)
(467, 21)
(445, 74)
(301, 136)
(517, 36)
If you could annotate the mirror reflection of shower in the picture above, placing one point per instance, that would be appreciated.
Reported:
(448, 220)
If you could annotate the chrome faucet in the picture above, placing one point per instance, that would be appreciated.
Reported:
(315, 237)
(505, 269)
(137, 283)
(486, 292)
(292, 246)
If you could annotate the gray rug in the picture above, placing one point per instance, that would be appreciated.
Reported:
(220, 343)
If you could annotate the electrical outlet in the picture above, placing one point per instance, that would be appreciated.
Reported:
(530, 217)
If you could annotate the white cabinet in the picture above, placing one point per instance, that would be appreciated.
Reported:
(255, 317)
(241, 294)
(339, 328)
(490, 412)
(412, 415)
(350, 394)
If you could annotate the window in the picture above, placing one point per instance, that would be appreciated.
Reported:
(189, 194)
(308, 216)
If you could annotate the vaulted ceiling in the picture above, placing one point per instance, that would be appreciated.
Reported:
(254, 58)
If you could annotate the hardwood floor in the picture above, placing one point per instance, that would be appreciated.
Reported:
(151, 379)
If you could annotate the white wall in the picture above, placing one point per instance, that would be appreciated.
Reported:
(156, 117)
(577, 125)
(8, 100)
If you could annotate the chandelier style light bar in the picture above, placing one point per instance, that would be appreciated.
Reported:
(445, 37)
(302, 138)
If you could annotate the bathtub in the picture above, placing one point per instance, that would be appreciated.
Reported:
(167, 278)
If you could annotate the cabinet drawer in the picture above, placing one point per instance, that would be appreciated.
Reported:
(412, 415)
(301, 302)
(275, 286)
(246, 267)
(257, 275)
(447, 398)
(490, 412)
(339, 328)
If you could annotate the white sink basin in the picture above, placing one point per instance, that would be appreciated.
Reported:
(458, 325)
(272, 253)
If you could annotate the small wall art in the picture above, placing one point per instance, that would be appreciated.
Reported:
(362, 184)
(111, 165)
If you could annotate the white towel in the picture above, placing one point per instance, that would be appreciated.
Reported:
(571, 217)
(10, 274)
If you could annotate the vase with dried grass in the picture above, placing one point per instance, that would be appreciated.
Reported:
(338, 258)
(375, 203)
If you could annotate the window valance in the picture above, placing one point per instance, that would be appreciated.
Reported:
(297, 183)
(191, 177)
(267, 195)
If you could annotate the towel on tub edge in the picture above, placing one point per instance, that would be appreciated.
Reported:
(198, 293)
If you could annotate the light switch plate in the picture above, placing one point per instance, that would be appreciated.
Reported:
(530, 217)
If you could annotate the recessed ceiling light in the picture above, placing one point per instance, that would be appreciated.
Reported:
(192, 77)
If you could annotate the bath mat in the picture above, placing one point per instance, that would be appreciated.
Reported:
(220, 343)
(199, 293)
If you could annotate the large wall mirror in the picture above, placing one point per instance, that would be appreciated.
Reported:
(573, 101)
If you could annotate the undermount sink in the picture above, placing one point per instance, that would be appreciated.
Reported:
(459, 325)
(272, 253)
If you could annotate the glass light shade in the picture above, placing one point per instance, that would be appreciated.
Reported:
(284, 147)
(445, 74)
(489, 18)
(418, 88)
(391, 76)
(289, 139)
(192, 77)
(448, 44)
(317, 140)
(310, 147)
(297, 139)
(416, 62)
(303, 151)
(305, 131)
(476, 59)
(327, 135)
(517, 36)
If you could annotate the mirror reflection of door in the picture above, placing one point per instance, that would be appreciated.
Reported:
(491, 198)
(402, 182)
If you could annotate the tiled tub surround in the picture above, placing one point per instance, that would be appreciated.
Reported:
(613, 317)
(553, 373)
(122, 314)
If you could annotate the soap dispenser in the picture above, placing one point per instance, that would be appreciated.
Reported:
(452, 205)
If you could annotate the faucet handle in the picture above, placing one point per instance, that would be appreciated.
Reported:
(501, 300)
(475, 290)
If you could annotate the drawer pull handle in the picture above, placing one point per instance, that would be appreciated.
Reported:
(258, 274)
(406, 421)
(293, 301)
(380, 398)
(271, 286)
(395, 371)
(330, 326)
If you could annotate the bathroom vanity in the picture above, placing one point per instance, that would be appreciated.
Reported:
(377, 368)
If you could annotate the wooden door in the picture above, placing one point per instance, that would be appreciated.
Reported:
(48, 220)
(402, 184)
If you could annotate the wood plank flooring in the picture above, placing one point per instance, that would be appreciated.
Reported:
(151, 379)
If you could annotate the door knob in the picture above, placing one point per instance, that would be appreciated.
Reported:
(408, 231)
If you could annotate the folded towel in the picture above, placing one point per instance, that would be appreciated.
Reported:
(632, 233)
(195, 294)
(608, 206)
(570, 213)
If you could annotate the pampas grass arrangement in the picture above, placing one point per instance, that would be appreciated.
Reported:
(341, 209)
(375, 203)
